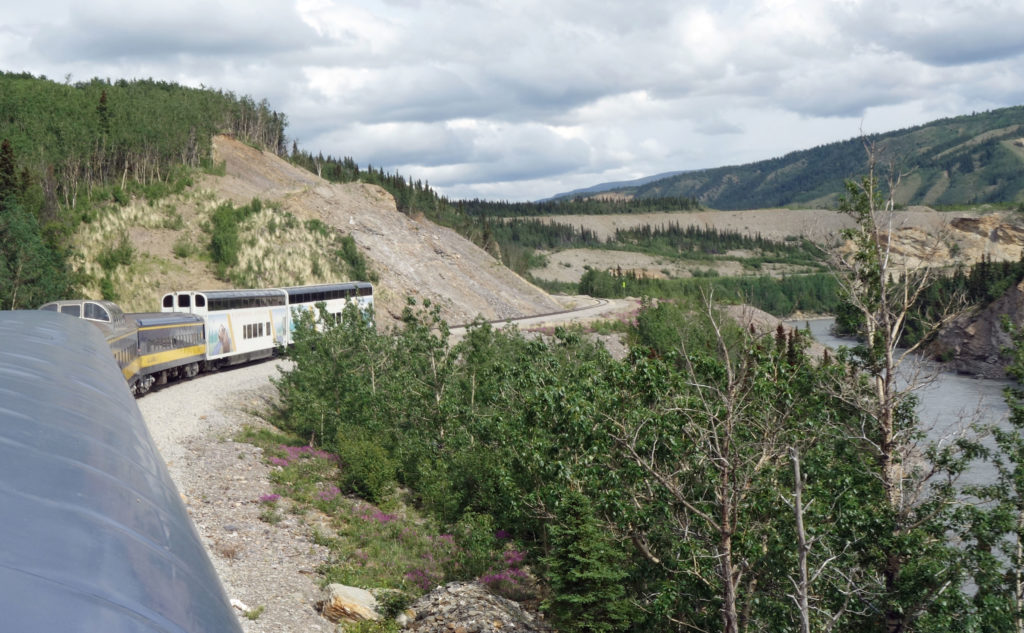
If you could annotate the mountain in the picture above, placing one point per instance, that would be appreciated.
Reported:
(612, 186)
(971, 159)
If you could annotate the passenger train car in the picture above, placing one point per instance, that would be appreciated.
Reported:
(199, 331)
(95, 535)
(244, 325)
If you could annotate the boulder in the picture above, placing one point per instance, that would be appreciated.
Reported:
(348, 604)
(469, 607)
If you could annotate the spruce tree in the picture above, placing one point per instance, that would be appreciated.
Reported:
(586, 572)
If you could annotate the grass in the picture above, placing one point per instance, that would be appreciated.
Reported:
(386, 546)
(254, 613)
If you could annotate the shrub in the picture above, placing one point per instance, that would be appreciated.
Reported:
(113, 256)
(366, 469)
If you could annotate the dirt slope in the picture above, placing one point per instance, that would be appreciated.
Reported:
(414, 257)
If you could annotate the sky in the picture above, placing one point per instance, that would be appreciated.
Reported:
(523, 99)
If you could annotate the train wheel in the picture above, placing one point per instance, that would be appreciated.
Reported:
(191, 370)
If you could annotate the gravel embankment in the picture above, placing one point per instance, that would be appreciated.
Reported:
(221, 481)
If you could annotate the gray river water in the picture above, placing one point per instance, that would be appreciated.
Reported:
(947, 402)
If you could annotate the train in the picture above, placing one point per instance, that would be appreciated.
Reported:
(95, 535)
(204, 330)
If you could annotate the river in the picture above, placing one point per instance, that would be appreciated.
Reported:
(947, 402)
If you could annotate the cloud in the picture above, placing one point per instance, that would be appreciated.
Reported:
(947, 32)
(525, 97)
(106, 29)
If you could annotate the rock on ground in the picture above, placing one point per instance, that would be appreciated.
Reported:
(469, 607)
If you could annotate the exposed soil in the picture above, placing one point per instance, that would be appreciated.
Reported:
(413, 256)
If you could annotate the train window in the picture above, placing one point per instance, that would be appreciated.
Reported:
(183, 301)
(200, 301)
(73, 310)
(365, 292)
(96, 312)
(268, 328)
(168, 301)
(51, 307)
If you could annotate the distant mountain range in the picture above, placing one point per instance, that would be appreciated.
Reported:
(971, 159)
(613, 186)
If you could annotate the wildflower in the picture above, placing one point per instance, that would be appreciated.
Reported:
(277, 461)
(329, 494)
(270, 499)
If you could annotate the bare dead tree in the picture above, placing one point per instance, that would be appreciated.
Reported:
(883, 287)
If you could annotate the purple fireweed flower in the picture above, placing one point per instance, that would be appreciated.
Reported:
(423, 578)
(271, 498)
(328, 495)
(514, 557)
(278, 461)
(298, 452)
(502, 535)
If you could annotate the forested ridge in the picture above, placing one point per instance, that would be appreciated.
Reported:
(970, 159)
(69, 148)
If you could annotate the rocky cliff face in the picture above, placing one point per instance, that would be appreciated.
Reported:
(975, 341)
(963, 239)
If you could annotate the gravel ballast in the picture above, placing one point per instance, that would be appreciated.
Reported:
(261, 565)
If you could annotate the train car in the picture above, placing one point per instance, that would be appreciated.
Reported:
(120, 332)
(171, 345)
(150, 347)
(245, 325)
(334, 297)
(241, 325)
(95, 535)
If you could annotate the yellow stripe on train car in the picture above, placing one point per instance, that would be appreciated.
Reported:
(130, 369)
(164, 327)
(149, 360)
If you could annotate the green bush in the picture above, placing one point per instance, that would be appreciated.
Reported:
(366, 468)
(113, 256)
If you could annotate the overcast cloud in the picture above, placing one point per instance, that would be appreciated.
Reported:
(522, 99)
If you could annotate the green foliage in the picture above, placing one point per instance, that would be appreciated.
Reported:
(113, 256)
(367, 469)
(816, 293)
(224, 227)
(255, 613)
(349, 252)
(586, 571)
(32, 272)
(184, 248)
(107, 289)
(669, 326)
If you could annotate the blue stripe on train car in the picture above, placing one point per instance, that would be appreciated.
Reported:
(94, 534)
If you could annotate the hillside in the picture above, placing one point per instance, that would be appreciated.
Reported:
(412, 256)
(969, 159)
